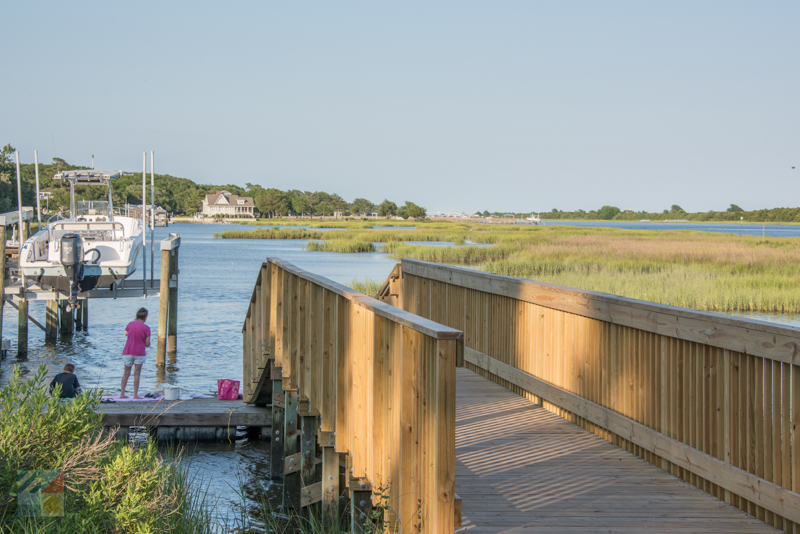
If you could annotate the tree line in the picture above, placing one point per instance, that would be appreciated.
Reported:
(675, 212)
(178, 195)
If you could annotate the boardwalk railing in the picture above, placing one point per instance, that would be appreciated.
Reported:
(373, 385)
(709, 398)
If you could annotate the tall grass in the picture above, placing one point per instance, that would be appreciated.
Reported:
(367, 286)
(340, 246)
(271, 233)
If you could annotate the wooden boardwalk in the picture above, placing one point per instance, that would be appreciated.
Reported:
(522, 469)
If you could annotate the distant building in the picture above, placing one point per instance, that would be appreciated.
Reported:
(225, 204)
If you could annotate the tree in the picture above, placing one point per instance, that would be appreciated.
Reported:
(324, 208)
(361, 206)
(411, 211)
(5, 154)
(608, 212)
(734, 209)
(387, 209)
(485, 213)
(676, 208)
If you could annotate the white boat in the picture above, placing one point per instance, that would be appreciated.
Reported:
(89, 246)
(534, 219)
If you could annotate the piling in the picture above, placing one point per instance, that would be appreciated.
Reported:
(78, 319)
(51, 320)
(172, 326)
(67, 321)
(85, 313)
(22, 316)
(163, 307)
(2, 276)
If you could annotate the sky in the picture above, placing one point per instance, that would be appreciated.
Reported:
(454, 105)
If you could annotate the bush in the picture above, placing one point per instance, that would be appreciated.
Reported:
(108, 486)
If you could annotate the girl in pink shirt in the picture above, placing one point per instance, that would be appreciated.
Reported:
(134, 353)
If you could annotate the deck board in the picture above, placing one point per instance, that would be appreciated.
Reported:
(195, 412)
(522, 469)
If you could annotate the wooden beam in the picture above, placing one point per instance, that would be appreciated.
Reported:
(755, 489)
(31, 319)
(717, 330)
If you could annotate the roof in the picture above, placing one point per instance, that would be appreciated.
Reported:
(232, 200)
(87, 176)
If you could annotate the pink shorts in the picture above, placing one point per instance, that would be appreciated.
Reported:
(129, 360)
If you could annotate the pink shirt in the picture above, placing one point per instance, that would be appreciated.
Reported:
(137, 333)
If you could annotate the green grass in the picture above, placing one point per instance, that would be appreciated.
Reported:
(367, 286)
(271, 233)
(340, 246)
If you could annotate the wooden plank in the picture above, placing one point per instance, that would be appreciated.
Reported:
(756, 489)
(723, 331)
(445, 439)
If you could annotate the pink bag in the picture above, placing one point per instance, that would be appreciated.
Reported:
(227, 389)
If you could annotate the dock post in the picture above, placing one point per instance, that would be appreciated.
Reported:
(311, 492)
(330, 484)
(172, 326)
(51, 320)
(2, 276)
(22, 316)
(292, 483)
(276, 443)
(360, 505)
(79, 318)
(67, 322)
(163, 306)
(85, 313)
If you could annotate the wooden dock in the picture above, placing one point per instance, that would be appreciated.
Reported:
(521, 468)
(165, 417)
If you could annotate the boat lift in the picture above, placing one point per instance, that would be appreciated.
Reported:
(18, 290)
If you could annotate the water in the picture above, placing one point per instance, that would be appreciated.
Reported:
(216, 281)
(772, 230)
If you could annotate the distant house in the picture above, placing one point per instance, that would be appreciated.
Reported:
(225, 204)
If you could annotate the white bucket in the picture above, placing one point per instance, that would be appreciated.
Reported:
(171, 392)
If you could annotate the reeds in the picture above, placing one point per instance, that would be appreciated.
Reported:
(367, 286)
(271, 233)
(340, 246)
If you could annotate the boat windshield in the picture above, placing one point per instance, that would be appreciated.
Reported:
(91, 209)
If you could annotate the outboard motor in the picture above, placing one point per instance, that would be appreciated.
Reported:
(72, 260)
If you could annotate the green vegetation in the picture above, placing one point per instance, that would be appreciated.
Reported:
(367, 286)
(271, 233)
(338, 245)
(700, 270)
(108, 486)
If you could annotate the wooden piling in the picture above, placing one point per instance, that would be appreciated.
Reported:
(22, 315)
(2, 275)
(172, 325)
(360, 506)
(276, 443)
(85, 313)
(292, 482)
(163, 306)
(51, 320)
(79, 318)
(67, 321)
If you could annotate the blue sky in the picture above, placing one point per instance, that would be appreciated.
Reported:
(453, 105)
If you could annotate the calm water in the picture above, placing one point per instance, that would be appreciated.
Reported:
(216, 280)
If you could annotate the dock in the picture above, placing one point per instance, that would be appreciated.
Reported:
(477, 403)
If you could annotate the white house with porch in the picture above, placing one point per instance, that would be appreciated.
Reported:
(225, 204)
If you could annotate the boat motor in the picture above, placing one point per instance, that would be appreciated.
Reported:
(72, 260)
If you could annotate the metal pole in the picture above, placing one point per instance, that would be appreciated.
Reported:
(38, 204)
(152, 218)
(19, 206)
(144, 224)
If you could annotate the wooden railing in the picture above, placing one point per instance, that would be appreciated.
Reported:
(710, 398)
(366, 381)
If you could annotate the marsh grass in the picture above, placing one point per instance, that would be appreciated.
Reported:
(340, 246)
(700, 270)
(367, 286)
(270, 233)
